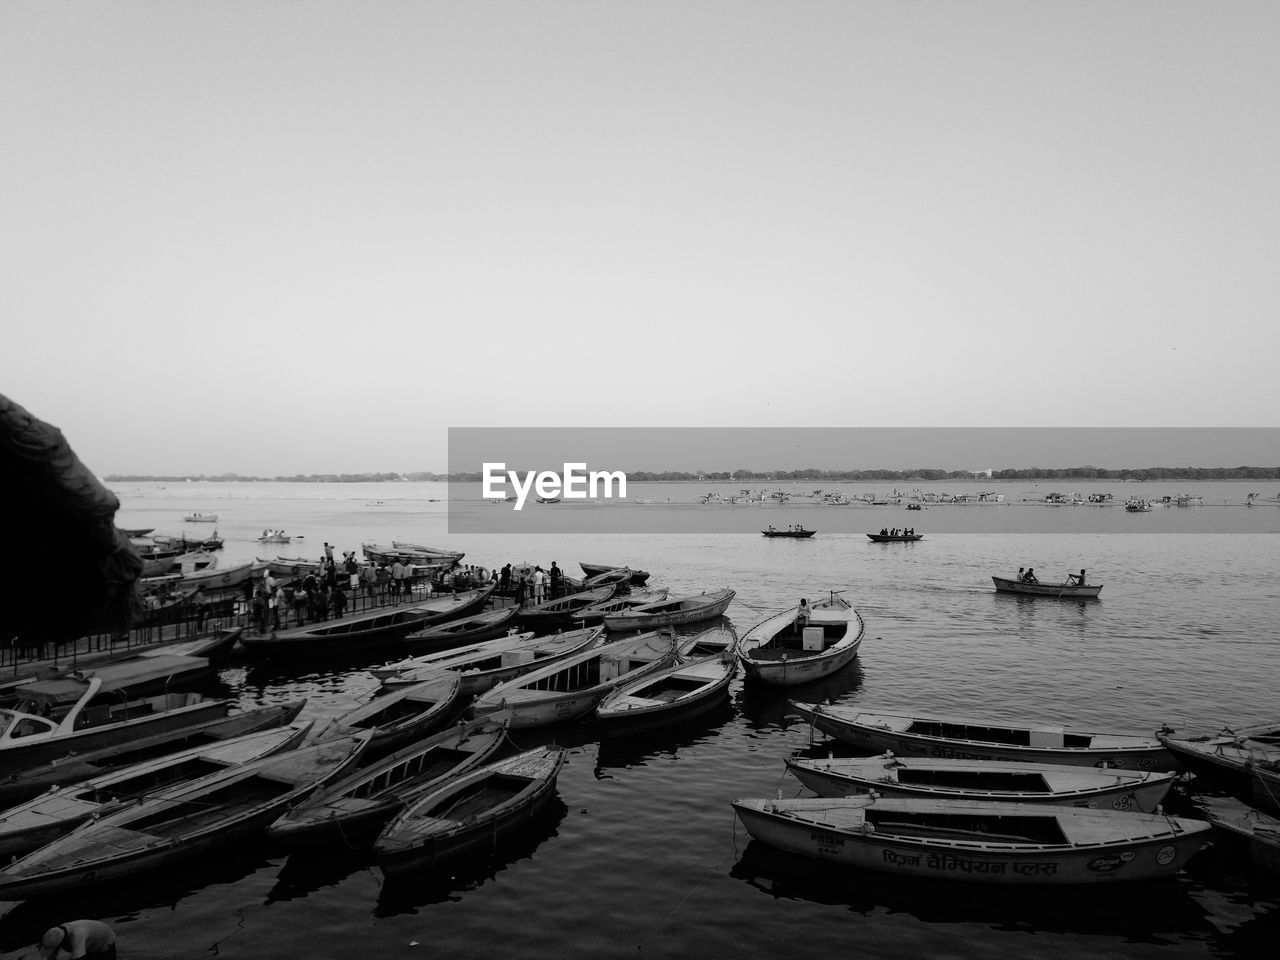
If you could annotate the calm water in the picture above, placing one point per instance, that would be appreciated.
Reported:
(640, 855)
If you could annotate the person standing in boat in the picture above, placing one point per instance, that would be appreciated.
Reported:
(87, 939)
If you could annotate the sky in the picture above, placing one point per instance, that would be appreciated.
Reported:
(308, 237)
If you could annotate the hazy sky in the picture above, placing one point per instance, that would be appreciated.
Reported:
(310, 236)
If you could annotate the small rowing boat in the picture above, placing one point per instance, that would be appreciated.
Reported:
(794, 533)
(686, 689)
(963, 739)
(997, 780)
(638, 577)
(401, 716)
(1069, 590)
(471, 813)
(894, 537)
(462, 630)
(981, 842)
(783, 651)
(691, 608)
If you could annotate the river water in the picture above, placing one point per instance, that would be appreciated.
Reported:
(640, 854)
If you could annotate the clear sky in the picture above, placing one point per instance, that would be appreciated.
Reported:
(310, 236)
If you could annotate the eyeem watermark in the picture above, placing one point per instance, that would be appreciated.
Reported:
(575, 483)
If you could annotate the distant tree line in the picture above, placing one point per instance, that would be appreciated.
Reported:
(921, 474)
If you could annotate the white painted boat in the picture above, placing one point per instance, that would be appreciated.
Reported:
(199, 517)
(676, 693)
(485, 665)
(971, 739)
(52, 814)
(596, 612)
(691, 608)
(995, 780)
(1004, 843)
(1061, 591)
(782, 651)
(471, 813)
(571, 688)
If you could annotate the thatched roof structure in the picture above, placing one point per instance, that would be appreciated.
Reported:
(65, 570)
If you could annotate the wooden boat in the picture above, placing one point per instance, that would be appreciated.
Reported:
(54, 718)
(221, 578)
(185, 544)
(638, 577)
(686, 689)
(73, 767)
(471, 813)
(158, 566)
(462, 630)
(780, 651)
(894, 537)
(553, 614)
(362, 631)
(570, 688)
(797, 533)
(412, 552)
(199, 517)
(485, 665)
(275, 538)
(960, 739)
(1069, 591)
(968, 840)
(1239, 821)
(43, 819)
(216, 647)
(134, 533)
(1230, 759)
(153, 671)
(619, 578)
(352, 811)
(1137, 505)
(596, 612)
(181, 822)
(401, 716)
(995, 780)
(691, 608)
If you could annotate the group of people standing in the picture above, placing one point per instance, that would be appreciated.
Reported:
(535, 586)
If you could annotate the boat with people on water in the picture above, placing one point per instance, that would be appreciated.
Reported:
(803, 643)
(200, 517)
(895, 536)
(796, 532)
(1026, 584)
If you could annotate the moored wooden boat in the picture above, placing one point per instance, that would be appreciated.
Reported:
(560, 612)
(994, 780)
(365, 630)
(181, 822)
(966, 739)
(80, 719)
(221, 578)
(1230, 759)
(462, 630)
(638, 577)
(782, 651)
(596, 612)
(353, 810)
(687, 689)
(570, 688)
(1067, 591)
(413, 553)
(894, 537)
(691, 608)
(75, 766)
(485, 665)
(1005, 843)
(1238, 820)
(470, 813)
(401, 716)
(43, 819)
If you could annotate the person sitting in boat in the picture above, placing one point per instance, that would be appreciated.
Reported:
(1076, 579)
(802, 614)
(1031, 575)
(884, 531)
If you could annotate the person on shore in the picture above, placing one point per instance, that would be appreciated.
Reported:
(328, 554)
(87, 939)
(396, 574)
(504, 581)
(371, 580)
(539, 585)
(1076, 579)
(301, 601)
(556, 578)
(521, 588)
(339, 602)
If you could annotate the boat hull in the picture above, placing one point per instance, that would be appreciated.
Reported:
(624, 713)
(870, 737)
(1148, 858)
(674, 618)
(1061, 591)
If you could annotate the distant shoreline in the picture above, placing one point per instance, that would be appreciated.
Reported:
(1070, 474)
